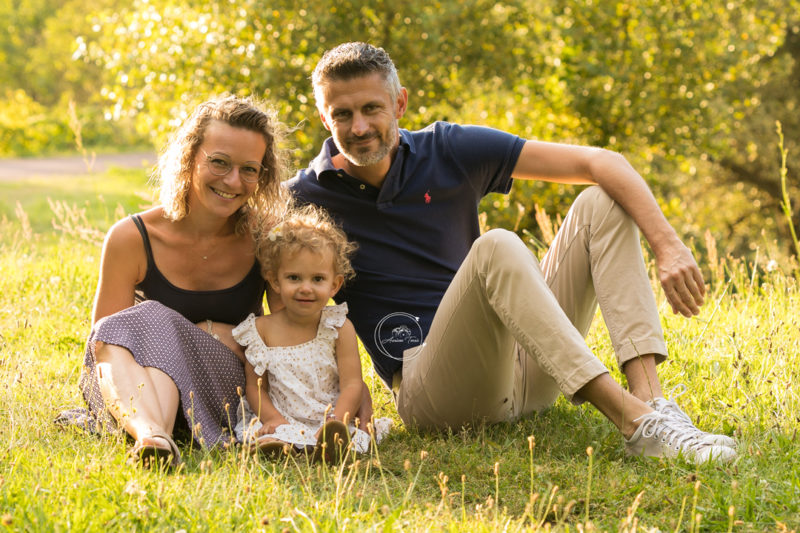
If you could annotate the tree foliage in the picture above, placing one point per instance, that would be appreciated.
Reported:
(688, 90)
(41, 74)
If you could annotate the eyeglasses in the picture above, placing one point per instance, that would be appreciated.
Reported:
(220, 165)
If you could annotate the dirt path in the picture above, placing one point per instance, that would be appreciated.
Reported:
(23, 168)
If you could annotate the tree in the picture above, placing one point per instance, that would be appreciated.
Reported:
(41, 77)
(753, 157)
(658, 82)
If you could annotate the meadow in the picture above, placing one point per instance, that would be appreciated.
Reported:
(562, 470)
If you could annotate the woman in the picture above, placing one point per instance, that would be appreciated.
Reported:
(191, 264)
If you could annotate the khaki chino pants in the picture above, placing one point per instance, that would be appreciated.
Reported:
(508, 336)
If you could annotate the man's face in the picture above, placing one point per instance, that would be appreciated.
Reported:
(362, 117)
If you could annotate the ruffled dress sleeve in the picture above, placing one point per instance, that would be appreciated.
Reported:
(255, 350)
(333, 317)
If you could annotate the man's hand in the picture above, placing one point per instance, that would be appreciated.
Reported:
(364, 413)
(681, 279)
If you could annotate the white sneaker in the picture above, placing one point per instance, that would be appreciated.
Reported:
(672, 410)
(659, 435)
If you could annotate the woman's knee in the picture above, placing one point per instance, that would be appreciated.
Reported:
(111, 353)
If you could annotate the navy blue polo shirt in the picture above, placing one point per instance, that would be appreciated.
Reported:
(414, 232)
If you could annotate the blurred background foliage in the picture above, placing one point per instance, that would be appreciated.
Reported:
(689, 91)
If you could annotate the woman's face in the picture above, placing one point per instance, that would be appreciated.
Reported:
(224, 166)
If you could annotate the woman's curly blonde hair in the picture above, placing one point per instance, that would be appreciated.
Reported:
(304, 227)
(173, 173)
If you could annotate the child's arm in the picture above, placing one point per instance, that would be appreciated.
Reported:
(350, 380)
(259, 401)
(258, 396)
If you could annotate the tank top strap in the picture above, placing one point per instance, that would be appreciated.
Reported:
(146, 239)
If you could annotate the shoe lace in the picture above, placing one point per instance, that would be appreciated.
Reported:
(681, 388)
(671, 432)
(669, 407)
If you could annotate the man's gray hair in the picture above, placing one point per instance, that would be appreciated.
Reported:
(353, 60)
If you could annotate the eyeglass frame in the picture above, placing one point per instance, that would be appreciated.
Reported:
(231, 166)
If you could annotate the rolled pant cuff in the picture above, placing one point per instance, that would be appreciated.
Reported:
(633, 349)
(578, 379)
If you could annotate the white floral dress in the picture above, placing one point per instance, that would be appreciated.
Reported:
(303, 381)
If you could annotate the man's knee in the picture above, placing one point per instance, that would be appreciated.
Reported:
(502, 251)
(498, 242)
(595, 205)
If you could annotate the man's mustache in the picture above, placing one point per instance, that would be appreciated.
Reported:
(359, 138)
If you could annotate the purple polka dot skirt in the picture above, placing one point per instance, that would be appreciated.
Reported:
(205, 371)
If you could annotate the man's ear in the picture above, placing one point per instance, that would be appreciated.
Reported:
(402, 102)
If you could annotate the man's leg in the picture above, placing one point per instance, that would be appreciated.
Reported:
(466, 369)
(596, 258)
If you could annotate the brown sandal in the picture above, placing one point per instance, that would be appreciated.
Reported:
(149, 454)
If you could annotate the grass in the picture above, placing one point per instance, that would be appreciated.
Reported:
(740, 361)
(103, 197)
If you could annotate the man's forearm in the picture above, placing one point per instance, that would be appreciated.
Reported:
(612, 172)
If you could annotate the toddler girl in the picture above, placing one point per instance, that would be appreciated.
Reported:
(303, 372)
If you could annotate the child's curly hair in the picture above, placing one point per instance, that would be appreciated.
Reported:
(306, 227)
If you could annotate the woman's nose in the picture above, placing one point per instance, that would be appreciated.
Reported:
(233, 177)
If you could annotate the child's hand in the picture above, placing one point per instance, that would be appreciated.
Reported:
(269, 425)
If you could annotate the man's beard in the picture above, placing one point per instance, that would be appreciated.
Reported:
(385, 147)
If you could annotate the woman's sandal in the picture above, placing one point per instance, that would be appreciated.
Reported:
(149, 454)
(332, 443)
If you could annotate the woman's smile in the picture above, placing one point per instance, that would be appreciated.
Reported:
(223, 194)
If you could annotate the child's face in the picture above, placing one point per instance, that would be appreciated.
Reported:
(306, 280)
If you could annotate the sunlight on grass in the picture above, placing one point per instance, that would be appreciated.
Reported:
(562, 470)
(99, 194)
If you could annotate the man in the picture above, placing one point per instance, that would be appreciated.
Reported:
(466, 327)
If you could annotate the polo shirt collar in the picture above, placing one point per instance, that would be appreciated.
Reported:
(407, 139)
(395, 179)
(324, 161)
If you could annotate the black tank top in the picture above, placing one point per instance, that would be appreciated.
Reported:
(231, 305)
